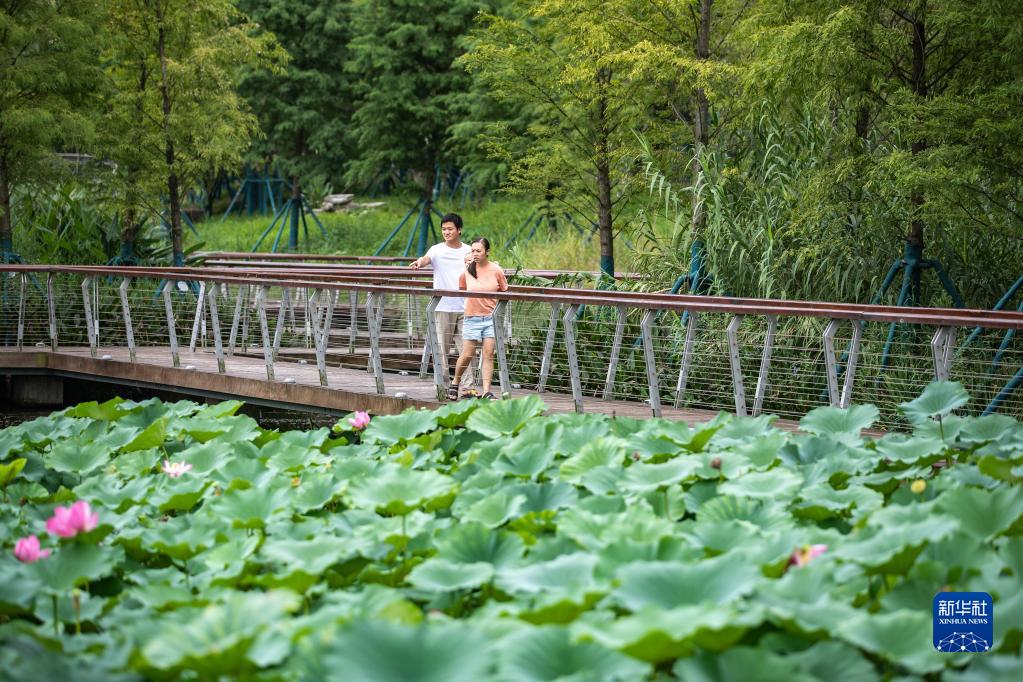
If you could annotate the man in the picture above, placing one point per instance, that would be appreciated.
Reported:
(449, 260)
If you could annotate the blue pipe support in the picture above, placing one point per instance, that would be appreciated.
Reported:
(1009, 387)
(397, 229)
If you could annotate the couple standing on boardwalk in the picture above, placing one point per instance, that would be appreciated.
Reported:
(464, 322)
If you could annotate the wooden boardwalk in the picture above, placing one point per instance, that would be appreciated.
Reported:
(296, 385)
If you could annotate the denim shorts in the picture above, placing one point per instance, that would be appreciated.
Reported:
(477, 328)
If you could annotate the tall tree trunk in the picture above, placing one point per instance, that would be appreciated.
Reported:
(6, 240)
(173, 188)
(701, 137)
(605, 228)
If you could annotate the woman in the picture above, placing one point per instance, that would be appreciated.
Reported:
(478, 324)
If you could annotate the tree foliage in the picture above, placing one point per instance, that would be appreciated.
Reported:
(176, 113)
(49, 74)
(304, 110)
(408, 89)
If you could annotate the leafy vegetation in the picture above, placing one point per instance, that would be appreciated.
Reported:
(488, 541)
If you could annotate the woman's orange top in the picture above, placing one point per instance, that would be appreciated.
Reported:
(489, 277)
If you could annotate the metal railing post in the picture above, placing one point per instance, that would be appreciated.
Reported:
(172, 334)
(646, 325)
(353, 318)
(243, 294)
(850, 365)
(51, 304)
(129, 332)
(500, 331)
(200, 315)
(21, 311)
(830, 365)
(616, 348)
(568, 320)
(548, 348)
(687, 358)
(373, 316)
(321, 333)
(733, 357)
(264, 329)
(281, 321)
(942, 345)
(218, 347)
(439, 377)
(765, 364)
(89, 326)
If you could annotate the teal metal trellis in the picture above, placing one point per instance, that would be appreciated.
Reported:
(292, 213)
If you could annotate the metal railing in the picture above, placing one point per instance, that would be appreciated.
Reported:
(748, 356)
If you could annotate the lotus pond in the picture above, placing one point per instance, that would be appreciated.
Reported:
(491, 542)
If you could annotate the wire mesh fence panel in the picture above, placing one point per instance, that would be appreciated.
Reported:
(712, 355)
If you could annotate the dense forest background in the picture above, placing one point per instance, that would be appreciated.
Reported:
(805, 149)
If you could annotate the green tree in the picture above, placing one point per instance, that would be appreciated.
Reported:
(303, 110)
(409, 91)
(682, 54)
(176, 112)
(49, 73)
(925, 94)
(561, 60)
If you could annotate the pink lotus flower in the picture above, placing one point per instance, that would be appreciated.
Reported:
(68, 522)
(27, 550)
(359, 420)
(176, 469)
(806, 554)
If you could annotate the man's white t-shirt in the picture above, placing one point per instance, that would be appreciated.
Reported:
(448, 264)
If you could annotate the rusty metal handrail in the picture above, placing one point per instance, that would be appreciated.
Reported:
(680, 303)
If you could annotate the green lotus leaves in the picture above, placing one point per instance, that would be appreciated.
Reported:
(111, 410)
(473, 543)
(548, 653)
(401, 427)
(488, 541)
(214, 640)
(74, 565)
(397, 490)
(78, 458)
(378, 650)
(599, 452)
(442, 575)
(640, 478)
(937, 400)
(984, 513)
(907, 450)
(737, 664)
(9, 471)
(669, 584)
(844, 425)
(657, 635)
(152, 437)
(903, 637)
(495, 510)
(527, 460)
(502, 417)
(297, 564)
(772, 484)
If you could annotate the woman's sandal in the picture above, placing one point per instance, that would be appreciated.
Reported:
(488, 396)
(453, 393)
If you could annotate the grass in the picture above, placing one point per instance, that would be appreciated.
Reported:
(362, 232)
